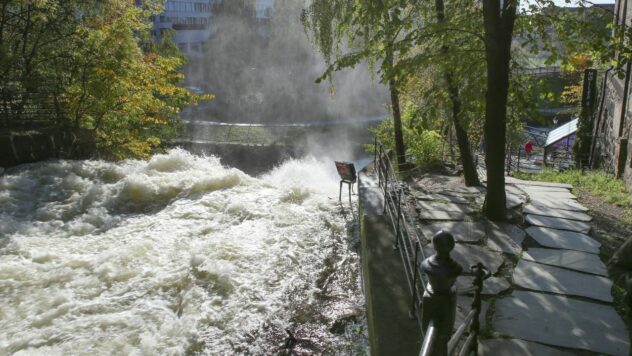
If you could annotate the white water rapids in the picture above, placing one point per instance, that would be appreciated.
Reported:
(175, 255)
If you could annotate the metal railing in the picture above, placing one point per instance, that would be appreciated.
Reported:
(407, 240)
(437, 338)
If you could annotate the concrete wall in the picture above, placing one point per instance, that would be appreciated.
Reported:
(252, 159)
(17, 147)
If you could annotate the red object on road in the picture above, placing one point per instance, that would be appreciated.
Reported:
(528, 147)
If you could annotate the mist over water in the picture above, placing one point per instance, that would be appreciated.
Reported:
(262, 68)
(175, 255)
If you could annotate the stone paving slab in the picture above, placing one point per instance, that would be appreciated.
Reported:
(579, 261)
(512, 180)
(563, 239)
(511, 189)
(557, 223)
(512, 201)
(534, 194)
(451, 207)
(541, 188)
(442, 197)
(463, 307)
(491, 286)
(462, 231)
(553, 192)
(564, 204)
(561, 321)
(469, 255)
(556, 213)
(505, 238)
(465, 190)
(544, 278)
(516, 347)
(441, 215)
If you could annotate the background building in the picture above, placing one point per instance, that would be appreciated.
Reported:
(190, 21)
(612, 124)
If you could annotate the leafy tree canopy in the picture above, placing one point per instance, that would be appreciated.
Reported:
(91, 64)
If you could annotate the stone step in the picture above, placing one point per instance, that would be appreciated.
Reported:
(512, 180)
(556, 213)
(561, 321)
(462, 231)
(557, 223)
(563, 239)
(511, 347)
(536, 195)
(450, 207)
(575, 260)
(505, 238)
(563, 204)
(545, 278)
(442, 197)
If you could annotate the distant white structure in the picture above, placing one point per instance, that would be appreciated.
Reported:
(191, 22)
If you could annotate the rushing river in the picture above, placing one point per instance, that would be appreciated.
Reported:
(176, 255)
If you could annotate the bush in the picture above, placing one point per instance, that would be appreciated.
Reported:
(424, 146)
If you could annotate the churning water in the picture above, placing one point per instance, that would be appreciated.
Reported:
(176, 255)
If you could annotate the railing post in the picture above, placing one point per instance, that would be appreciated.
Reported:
(413, 303)
(399, 219)
(375, 152)
(509, 160)
(379, 166)
(439, 300)
(480, 274)
(385, 188)
(518, 165)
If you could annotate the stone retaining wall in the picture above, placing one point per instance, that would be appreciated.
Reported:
(17, 147)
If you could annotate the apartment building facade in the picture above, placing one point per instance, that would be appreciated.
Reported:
(192, 22)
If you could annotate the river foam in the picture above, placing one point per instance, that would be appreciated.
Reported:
(173, 255)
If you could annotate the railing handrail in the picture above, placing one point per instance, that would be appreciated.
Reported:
(408, 243)
(401, 225)
(429, 340)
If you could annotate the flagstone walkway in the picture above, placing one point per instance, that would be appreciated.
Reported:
(550, 293)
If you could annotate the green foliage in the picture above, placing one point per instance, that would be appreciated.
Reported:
(558, 33)
(95, 61)
(597, 183)
(425, 146)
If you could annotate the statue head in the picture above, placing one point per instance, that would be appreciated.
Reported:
(443, 243)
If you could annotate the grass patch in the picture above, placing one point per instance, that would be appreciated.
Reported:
(597, 183)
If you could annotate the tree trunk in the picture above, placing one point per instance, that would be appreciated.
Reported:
(498, 23)
(467, 160)
(400, 148)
